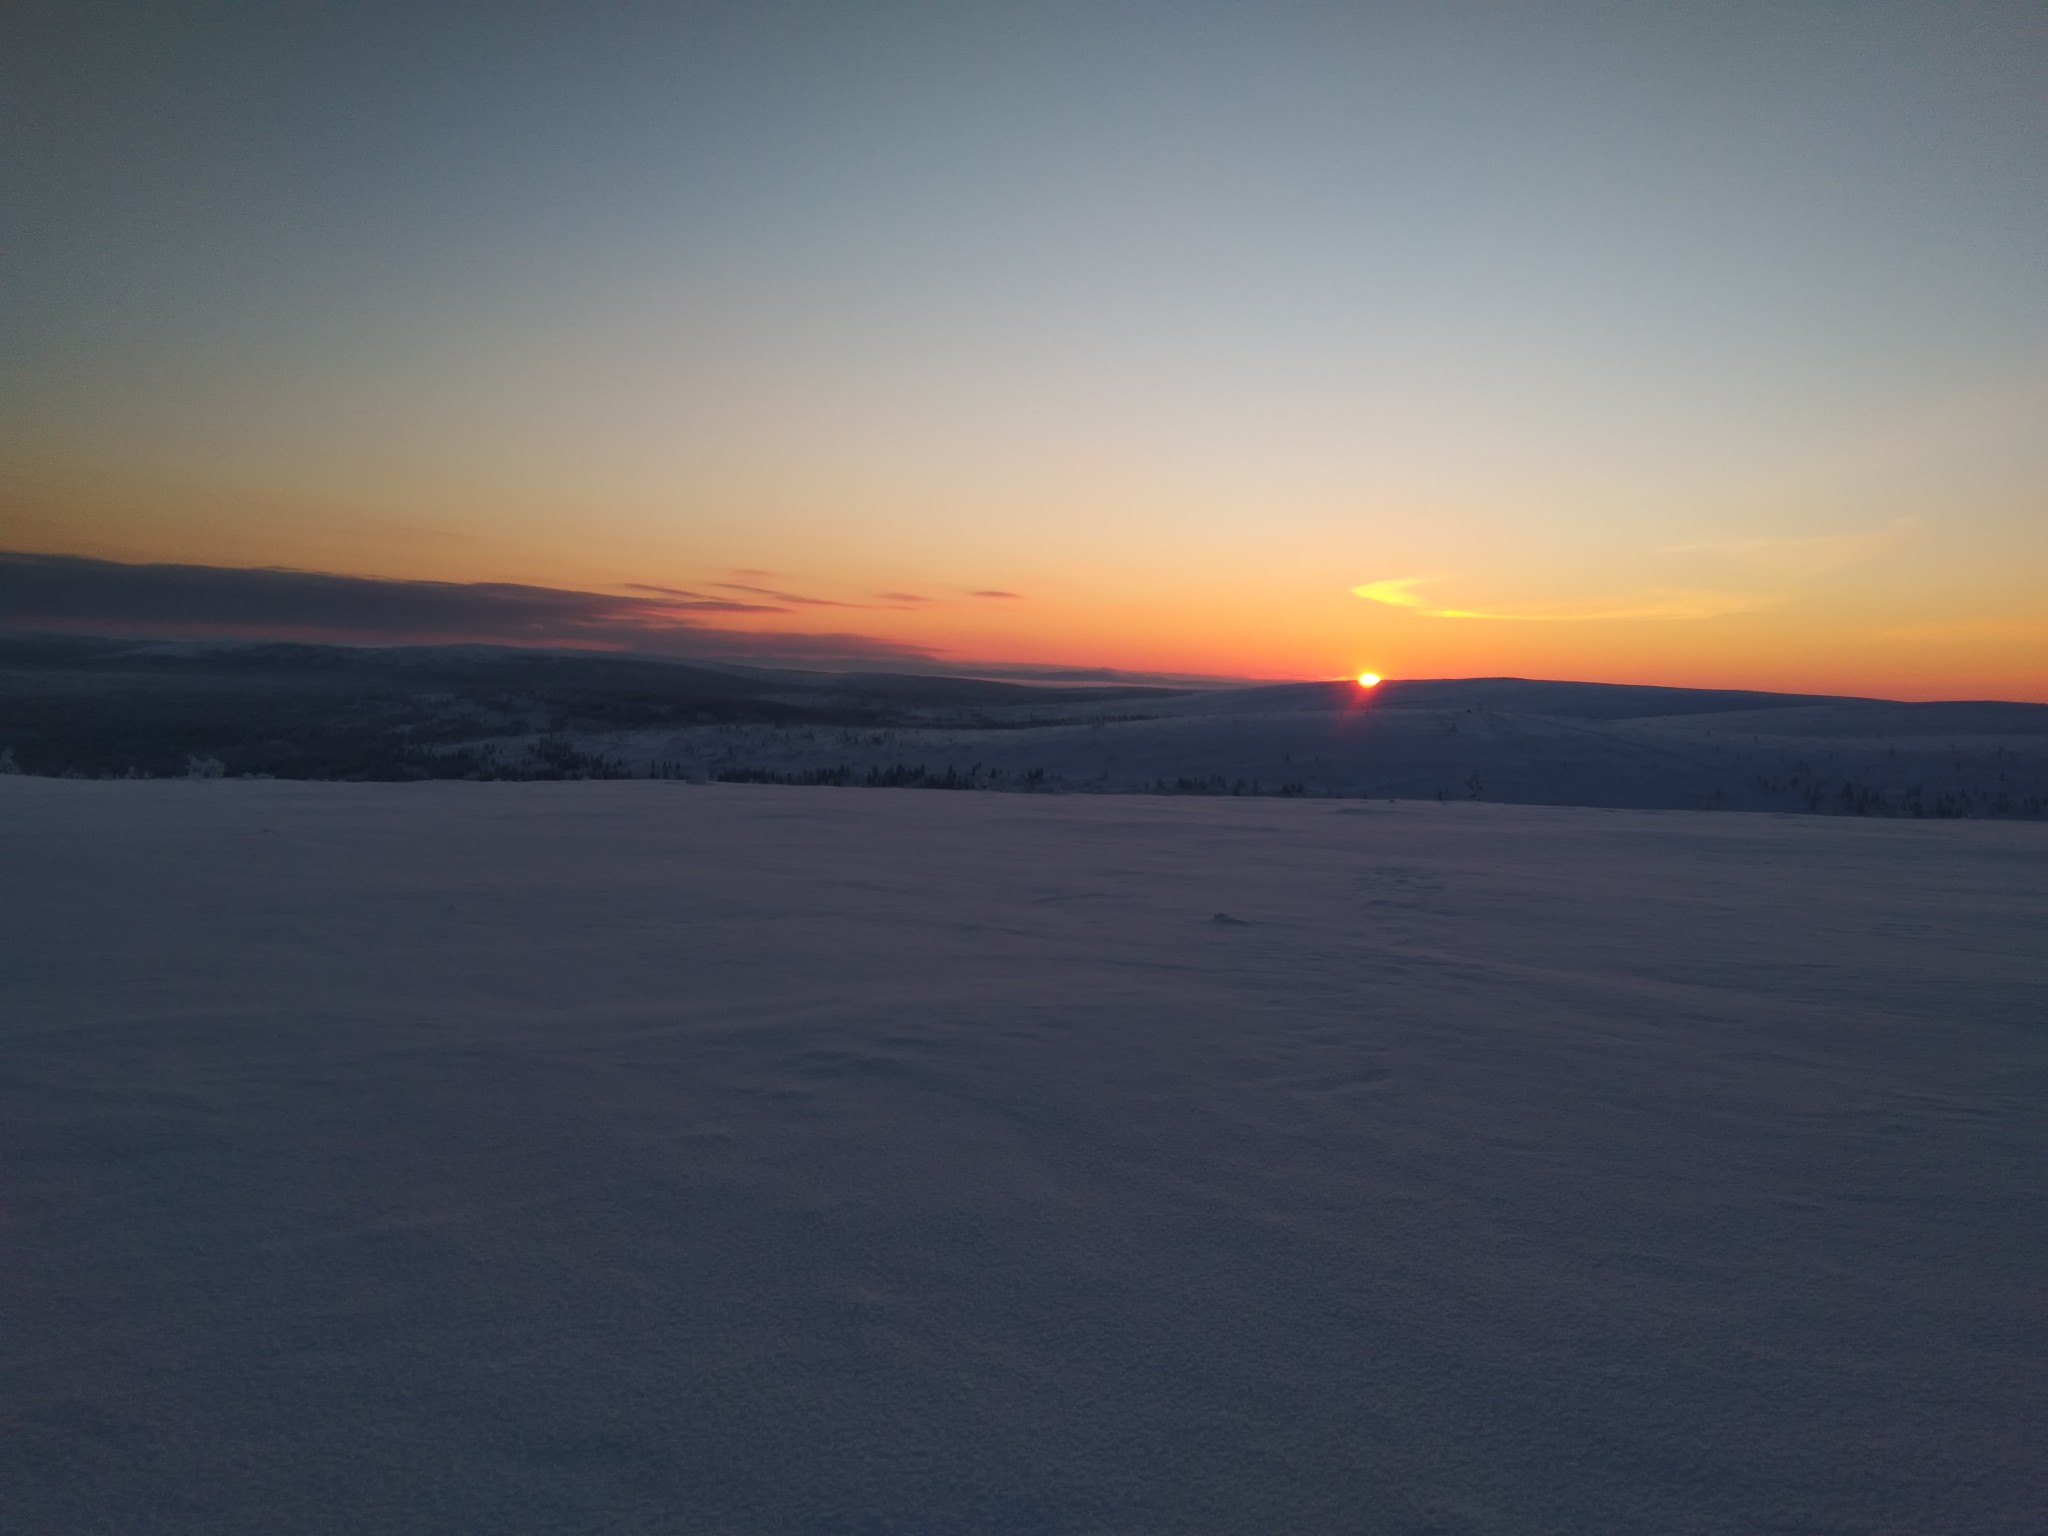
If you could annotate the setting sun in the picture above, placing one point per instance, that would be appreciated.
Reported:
(1368, 679)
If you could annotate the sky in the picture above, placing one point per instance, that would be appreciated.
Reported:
(1701, 344)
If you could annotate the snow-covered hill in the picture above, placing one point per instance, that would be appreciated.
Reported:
(110, 709)
(1500, 739)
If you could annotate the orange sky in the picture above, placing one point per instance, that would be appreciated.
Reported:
(1853, 613)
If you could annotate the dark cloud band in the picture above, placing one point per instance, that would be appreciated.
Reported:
(70, 592)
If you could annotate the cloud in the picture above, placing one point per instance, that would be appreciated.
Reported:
(1014, 596)
(1395, 593)
(72, 593)
(1659, 603)
(698, 600)
(1798, 556)
(902, 597)
(1655, 605)
(1767, 570)
(784, 597)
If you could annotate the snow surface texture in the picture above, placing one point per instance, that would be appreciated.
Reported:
(652, 1157)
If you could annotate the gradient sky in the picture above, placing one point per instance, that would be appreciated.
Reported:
(1686, 343)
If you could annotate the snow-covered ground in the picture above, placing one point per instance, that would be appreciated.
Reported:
(655, 1157)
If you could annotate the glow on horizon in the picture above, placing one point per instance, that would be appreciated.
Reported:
(1368, 679)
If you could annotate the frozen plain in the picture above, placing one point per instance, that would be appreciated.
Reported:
(635, 1157)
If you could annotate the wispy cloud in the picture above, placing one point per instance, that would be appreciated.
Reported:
(678, 597)
(72, 593)
(1799, 556)
(1396, 592)
(902, 597)
(1660, 603)
(1014, 596)
(796, 598)
(1767, 571)
(1653, 605)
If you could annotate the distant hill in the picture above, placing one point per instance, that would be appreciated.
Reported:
(1520, 695)
(98, 707)
(101, 708)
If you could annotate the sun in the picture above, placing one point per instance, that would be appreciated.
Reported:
(1368, 679)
